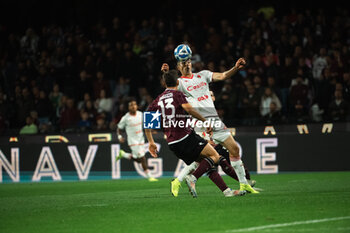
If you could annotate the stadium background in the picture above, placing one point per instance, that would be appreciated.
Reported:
(86, 47)
(44, 42)
(68, 68)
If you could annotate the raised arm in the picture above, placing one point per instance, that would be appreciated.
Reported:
(229, 73)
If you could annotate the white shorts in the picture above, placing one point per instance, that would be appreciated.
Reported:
(138, 151)
(220, 133)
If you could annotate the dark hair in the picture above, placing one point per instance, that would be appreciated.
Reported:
(170, 78)
(131, 99)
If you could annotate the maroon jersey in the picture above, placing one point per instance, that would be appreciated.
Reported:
(174, 117)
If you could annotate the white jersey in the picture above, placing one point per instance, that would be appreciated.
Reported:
(196, 90)
(133, 128)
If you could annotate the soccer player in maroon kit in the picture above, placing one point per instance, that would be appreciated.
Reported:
(182, 140)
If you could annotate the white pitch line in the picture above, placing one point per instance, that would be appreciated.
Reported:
(94, 205)
(288, 224)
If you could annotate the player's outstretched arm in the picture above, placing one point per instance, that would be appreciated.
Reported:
(229, 73)
(152, 146)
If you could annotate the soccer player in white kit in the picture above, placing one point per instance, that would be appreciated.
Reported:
(131, 122)
(195, 86)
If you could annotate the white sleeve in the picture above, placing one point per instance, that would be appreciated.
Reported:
(180, 86)
(122, 123)
(207, 75)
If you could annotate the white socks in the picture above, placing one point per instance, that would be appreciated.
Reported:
(239, 169)
(187, 170)
(127, 155)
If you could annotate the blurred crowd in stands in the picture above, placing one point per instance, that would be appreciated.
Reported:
(72, 79)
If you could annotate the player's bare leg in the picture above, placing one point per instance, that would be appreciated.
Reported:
(210, 157)
(237, 164)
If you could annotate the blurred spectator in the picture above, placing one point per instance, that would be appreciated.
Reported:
(271, 83)
(267, 98)
(35, 118)
(338, 108)
(258, 82)
(85, 85)
(29, 44)
(124, 54)
(325, 89)
(145, 99)
(30, 127)
(100, 84)
(24, 104)
(273, 116)
(82, 103)
(250, 106)
(299, 100)
(55, 97)
(90, 110)
(44, 80)
(84, 124)
(316, 113)
(227, 101)
(304, 65)
(122, 88)
(69, 116)
(101, 124)
(104, 104)
(319, 63)
(257, 67)
(44, 108)
(288, 72)
(271, 62)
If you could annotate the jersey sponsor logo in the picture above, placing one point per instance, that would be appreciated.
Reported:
(151, 120)
(204, 97)
(194, 87)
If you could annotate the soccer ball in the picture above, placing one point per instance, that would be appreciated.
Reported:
(182, 52)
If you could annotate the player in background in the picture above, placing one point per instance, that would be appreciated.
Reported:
(182, 139)
(176, 183)
(195, 86)
(131, 122)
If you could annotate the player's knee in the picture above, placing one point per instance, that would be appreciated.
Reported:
(215, 158)
(235, 151)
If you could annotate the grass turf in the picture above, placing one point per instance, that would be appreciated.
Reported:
(140, 206)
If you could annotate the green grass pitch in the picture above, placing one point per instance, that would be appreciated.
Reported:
(291, 202)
